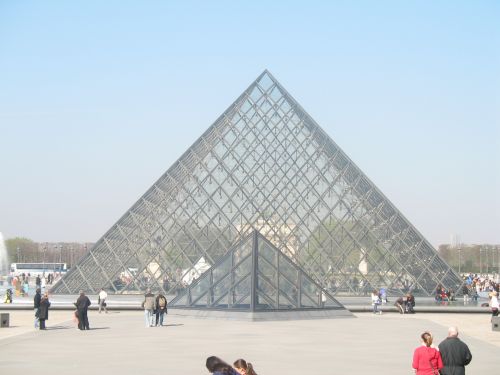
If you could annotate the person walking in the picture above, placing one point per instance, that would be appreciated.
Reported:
(455, 353)
(36, 306)
(101, 300)
(149, 306)
(426, 359)
(43, 312)
(161, 309)
(494, 304)
(376, 302)
(82, 305)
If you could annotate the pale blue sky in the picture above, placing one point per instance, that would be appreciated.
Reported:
(98, 99)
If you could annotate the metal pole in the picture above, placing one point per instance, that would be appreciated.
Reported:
(18, 255)
(480, 260)
(459, 260)
(487, 260)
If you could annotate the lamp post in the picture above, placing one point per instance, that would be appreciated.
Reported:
(459, 259)
(18, 255)
(487, 260)
(480, 260)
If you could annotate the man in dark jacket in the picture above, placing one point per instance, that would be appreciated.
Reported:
(36, 305)
(82, 305)
(455, 354)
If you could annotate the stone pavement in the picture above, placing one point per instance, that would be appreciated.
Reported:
(118, 343)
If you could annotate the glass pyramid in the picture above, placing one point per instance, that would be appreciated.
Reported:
(263, 164)
(254, 275)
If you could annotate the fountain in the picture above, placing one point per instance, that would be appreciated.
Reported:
(4, 260)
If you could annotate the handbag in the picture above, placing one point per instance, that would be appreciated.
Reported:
(434, 371)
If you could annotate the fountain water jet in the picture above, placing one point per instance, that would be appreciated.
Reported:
(4, 260)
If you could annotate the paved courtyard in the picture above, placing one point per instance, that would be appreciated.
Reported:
(118, 343)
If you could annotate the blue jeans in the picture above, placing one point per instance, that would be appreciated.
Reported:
(159, 318)
(148, 316)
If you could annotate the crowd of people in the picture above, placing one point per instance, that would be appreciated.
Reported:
(21, 284)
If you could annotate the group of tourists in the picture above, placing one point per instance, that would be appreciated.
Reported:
(405, 305)
(477, 284)
(155, 308)
(217, 366)
(449, 358)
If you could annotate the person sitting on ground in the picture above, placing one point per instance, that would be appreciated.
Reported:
(243, 367)
(410, 304)
(399, 305)
(426, 359)
(217, 366)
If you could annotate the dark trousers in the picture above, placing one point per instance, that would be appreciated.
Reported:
(83, 320)
(42, 323)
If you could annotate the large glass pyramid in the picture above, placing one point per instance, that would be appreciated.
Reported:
(255, 276)
(265, 165)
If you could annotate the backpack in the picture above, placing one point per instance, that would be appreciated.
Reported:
(162, 302)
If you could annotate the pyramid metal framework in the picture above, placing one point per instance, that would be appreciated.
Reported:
(255, 276)
(266, 165)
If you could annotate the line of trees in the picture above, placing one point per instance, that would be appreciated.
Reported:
(465, 258)
(25, 250)
(472, 258)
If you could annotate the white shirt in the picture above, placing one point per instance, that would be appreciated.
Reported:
(103, 295)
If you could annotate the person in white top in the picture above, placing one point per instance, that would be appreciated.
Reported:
(494, 304)
(102, 300)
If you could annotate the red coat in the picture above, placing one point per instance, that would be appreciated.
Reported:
(423, 357)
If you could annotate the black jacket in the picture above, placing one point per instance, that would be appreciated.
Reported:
(82, 303)
(36, 300)
(43, 312)
(455, 355)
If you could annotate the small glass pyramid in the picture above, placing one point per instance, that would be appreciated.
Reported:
(254, 275)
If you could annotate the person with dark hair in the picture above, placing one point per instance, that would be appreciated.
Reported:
(82, 305)
(410, 304)
(456, 354)
(36, 305)
(426, 359)
(161, 309)
(217, 366)
(244, 367)
(43, 310)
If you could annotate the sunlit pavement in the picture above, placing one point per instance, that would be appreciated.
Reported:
(118, 342)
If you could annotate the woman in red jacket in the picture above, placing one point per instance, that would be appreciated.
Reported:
(427, 360)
